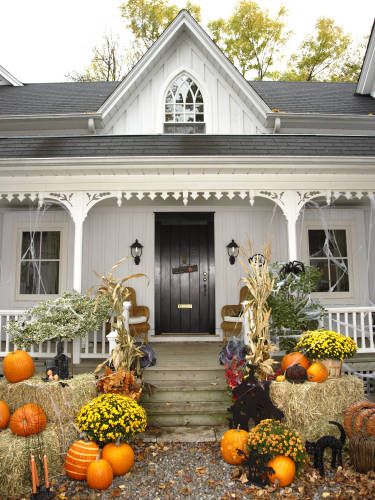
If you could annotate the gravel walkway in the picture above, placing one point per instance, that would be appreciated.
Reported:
(177, 471)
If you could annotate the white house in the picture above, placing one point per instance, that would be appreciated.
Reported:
(185, 155)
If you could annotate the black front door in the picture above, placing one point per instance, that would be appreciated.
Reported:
(184, 273)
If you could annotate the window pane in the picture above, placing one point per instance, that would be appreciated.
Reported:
(317, 239)
(189, 97)
(169, 97)
(49, 277)
(50, 245)
(168, 118)
(179, 98)
(322, 265)
(194, 88)
(199, 118)
(179, 108)
(30, 245)
(29, 279)
(339, 275)
(189, 107)
(189, 117)
(179, 117)
(199, 97)
(169, 108)
(337, 243)
(199, 108)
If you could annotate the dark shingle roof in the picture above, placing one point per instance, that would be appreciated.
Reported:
(314, 97)
(44, 98)
(186, 145)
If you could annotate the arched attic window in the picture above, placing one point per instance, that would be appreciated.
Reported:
(184, 107)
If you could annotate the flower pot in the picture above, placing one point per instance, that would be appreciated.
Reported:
(333, 366)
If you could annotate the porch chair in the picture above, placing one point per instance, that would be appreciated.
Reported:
(139, 315)
(232, 323)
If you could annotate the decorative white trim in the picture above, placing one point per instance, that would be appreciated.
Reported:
(366, 82)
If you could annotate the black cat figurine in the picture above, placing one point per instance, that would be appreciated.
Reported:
(316, 449)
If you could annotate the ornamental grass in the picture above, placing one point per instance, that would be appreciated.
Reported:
(271, 437)
(326, 344)
(111, 417)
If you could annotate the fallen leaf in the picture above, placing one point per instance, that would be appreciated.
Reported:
(116, 492)
(244, 479)
(201, 470)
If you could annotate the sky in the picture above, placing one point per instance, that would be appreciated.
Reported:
(44, 40)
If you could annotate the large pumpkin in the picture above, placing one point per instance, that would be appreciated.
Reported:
(359, 418)
(317, 372)
(17, 366)
(28, 419)
(294, 358)
(99, 475)
(4, 415)
(79, 456)
(119, 456)
(233, 440)
(284, 470)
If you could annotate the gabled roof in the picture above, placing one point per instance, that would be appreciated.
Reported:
(12, 80)
(186, 146)
(184, 22)
(54, 98)
(366, 82)
(314, 97)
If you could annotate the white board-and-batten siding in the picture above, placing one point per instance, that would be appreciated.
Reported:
(141, 110)
(109, 231)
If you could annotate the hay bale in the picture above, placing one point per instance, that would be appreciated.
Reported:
(61, 403)
(308, 407)
(15, 451)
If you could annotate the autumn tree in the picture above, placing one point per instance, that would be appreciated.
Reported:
(107, 63)
(251, 38)
(320, 54)
(147, 19)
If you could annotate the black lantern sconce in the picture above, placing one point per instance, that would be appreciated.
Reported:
(258, 259)
(136, 249)
(233, 251)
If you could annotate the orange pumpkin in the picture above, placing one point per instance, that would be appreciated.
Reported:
(119, 456)
(4, 414)
(285, 470)
(79, 456)
(28, 419)
(99, 475)
(294, 358)
(17, 366)
(233, 440)
(317, 372)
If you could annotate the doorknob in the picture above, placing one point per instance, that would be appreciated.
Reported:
(205, 276)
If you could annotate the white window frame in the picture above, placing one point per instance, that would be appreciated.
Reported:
(328, 296)
(22, 228)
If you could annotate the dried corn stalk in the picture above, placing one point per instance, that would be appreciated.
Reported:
(125, 354)
(260, 283)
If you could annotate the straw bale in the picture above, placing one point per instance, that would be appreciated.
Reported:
(15, 451)
(308, 407)
(60, 402)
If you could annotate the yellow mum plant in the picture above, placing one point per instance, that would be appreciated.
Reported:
(271, 437)
(111, 417)
(326, 344)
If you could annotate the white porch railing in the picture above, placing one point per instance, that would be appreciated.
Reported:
(355, 322)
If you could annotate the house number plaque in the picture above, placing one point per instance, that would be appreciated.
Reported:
(185, 269)
(184, 306)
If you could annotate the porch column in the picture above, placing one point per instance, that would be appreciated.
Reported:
(291, 212)
(78, 211)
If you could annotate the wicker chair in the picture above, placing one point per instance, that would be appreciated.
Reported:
(139, 315)
(232, 323)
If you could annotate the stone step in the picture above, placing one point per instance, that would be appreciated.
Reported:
(190, 414)
(181, 391)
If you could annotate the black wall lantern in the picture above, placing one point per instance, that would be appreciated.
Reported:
(136, 249)
(233, 251)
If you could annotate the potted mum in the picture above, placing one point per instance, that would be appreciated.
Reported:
(328, 347)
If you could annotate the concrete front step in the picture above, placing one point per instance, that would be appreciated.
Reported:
(155, 374)
(188, 413)
(184, 392)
